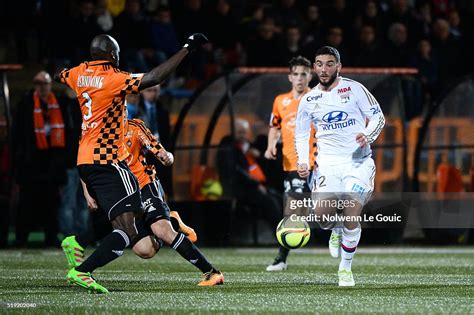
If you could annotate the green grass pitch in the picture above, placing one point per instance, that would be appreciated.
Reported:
(388, 280)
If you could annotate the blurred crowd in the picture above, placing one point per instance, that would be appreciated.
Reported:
(431, 35)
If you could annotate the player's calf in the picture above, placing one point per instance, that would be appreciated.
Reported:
(164, 231)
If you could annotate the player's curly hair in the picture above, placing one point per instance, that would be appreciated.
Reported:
(299, 61)
(328, 50)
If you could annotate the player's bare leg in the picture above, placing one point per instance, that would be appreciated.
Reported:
(147, 247)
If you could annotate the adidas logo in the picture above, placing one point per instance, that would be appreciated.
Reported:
(193, 261)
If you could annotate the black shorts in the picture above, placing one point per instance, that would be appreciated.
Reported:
(154, 204)
(293, 183)
(113, 186)
(101, 227)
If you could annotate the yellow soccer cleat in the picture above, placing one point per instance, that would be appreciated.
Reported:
(183, 228)
(211, 278)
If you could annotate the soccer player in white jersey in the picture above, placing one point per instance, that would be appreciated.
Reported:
(348, 119)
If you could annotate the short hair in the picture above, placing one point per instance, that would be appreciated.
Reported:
(328, 50)
(299, 61)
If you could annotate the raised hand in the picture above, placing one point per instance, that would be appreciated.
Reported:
(195, 41)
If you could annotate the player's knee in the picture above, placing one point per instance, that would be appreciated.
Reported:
(144, 251)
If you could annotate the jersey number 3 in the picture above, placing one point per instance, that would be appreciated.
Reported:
(88, 105)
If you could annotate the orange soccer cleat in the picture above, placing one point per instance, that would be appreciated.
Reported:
(183, 228)
(211, 278)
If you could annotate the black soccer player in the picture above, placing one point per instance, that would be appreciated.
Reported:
(101, 89)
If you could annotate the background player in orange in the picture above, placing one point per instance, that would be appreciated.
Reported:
(101, 89)
(282, 125)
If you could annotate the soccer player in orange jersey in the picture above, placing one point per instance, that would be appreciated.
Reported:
(101, 89)
(282, 125)
(153, 226)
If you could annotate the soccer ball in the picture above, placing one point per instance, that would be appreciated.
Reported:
(211, 189)
(293, 234)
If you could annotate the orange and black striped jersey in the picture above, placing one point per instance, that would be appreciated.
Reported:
(138, 140)
(283, 117)
(101, 88)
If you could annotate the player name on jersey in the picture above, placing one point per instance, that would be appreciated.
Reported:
(86, 81)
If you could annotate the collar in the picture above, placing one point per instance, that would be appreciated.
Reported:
(98, 63)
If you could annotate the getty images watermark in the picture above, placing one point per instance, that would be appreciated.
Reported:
(385, 210)
(342, 218)
(337, 204)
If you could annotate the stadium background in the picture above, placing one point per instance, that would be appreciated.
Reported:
(414, 56)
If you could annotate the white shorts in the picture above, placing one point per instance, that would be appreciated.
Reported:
(356, 178)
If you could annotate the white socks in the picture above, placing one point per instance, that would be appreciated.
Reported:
(350, 240)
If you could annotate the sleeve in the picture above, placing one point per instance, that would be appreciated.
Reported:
(128, 82)
(147, 139)
(275, 119)
(69, 77)
(302, 133)
(371, 110)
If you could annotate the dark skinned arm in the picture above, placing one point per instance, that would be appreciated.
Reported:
(163, 71)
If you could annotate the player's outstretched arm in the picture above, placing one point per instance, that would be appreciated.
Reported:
(163, 71)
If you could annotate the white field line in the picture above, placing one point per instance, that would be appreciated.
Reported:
(375, 250)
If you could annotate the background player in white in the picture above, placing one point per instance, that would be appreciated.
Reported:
(347, 118)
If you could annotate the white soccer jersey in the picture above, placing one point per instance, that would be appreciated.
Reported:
(338, 115)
